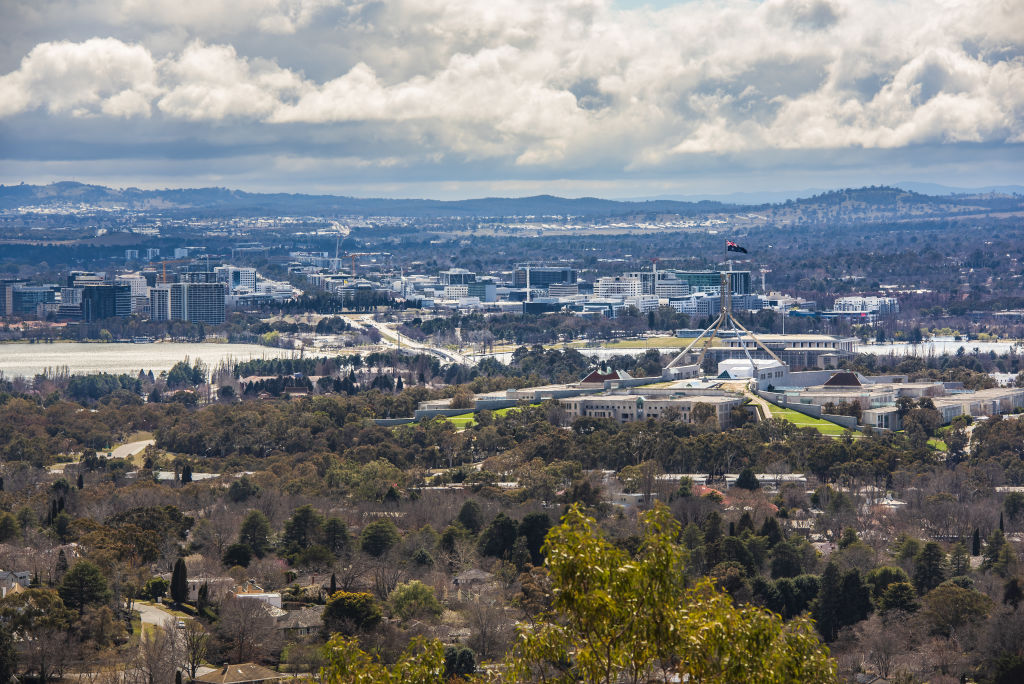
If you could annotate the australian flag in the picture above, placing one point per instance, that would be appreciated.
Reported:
(731, 246)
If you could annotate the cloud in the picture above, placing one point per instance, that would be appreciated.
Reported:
(536, 83)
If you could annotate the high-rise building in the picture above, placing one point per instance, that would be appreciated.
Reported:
(152, 253)
(543, 276)
(617, 286)
(27, 298)
(160, 303)
(195, 302)
(457, 276)
(106, 301)
(131, 255)
(237, 278)
(711, 281)
(7, 297)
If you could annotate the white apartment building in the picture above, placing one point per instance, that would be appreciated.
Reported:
(882, 306)
(617, 286)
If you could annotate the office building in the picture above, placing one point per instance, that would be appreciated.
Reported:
(457, 276)
(131, 255)
(237, 278)
(660, 283)
(543, 276)
(711, 281)
(152, 253)
(198, 276)
(106, 301)
(27, 299)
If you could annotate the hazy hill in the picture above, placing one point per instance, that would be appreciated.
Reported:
(850, 204)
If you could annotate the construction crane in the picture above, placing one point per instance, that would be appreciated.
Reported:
(163, 278)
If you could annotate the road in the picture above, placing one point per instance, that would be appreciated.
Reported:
(395, 338)
(131, 448)
(152, 614)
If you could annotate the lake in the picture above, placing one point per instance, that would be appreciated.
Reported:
(84, 357)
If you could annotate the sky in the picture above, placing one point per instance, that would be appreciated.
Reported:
(468, 98)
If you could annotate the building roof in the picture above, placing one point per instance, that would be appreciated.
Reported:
(304, 618)
(239, 674)
(600, 375)
(843, 379)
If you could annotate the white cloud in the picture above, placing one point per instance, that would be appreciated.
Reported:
(98, 74)
(566, 83)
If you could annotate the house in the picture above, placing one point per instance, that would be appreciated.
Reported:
(472, 577)
(304, 622)
(14, 582)
(244, 673)
(254, 592)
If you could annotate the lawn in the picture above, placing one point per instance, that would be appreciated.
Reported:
(465, 420)
(804, 421)
(648, 343)
(937, 444)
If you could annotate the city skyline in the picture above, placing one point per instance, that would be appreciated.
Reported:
(454, 100)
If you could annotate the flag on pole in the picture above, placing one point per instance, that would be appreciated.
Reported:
(731, 246)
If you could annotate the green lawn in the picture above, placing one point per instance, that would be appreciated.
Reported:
(804, 421)
(937, 444)
(465, 420)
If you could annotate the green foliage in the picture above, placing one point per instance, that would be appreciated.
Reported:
(949, 607)
(459, 662)
(378, 537)
(617, 617)
(83, 585)
(534, 528)
(414, 600)
(255, 533)
(928, 568)
(237, 555)
(747, 480)
(351, 612)
(422, 662)
(880, 578)
(497, 539)
(179, 582)
(303, 529)
(156, 588)
(898, 596)
(470, 516)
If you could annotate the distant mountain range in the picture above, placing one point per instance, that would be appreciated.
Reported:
(223, 201)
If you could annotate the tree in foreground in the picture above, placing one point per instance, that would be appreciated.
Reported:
(615, 618)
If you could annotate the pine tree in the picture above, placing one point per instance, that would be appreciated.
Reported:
(827, 606)
(179, 582)
(928, 570)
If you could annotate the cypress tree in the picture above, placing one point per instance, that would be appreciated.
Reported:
(202, 597)
(62, 564)
(1001, 522)
(186, 474)
(81, 481)
(334, 584)
(976, 543)
(179, 582)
